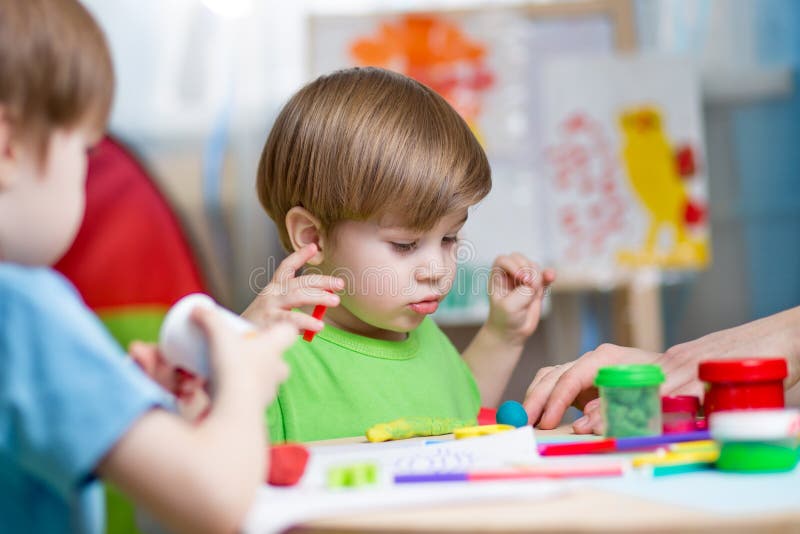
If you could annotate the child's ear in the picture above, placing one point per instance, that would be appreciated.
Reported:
(304, 229)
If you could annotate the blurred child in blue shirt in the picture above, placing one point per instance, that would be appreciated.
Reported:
(72, 408)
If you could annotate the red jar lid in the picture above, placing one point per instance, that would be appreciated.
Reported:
(744, 370)
(680, 403)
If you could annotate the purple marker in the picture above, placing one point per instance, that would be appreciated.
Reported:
(643, 442)
(431, 477)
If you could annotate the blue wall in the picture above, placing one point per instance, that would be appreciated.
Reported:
(767, 141)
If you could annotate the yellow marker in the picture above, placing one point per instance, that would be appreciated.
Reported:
(691, 446)
(483, 430)
(675, 458)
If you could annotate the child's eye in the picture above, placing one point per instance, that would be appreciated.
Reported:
(404, 247)
(450, 240)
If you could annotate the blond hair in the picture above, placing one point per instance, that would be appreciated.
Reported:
(55, 69)
(366, 142)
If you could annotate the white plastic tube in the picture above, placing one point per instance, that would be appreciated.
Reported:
(183, 343)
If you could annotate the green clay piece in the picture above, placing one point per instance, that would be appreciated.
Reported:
(631, 411)
(353, 476)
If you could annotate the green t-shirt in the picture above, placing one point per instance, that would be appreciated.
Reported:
(342, 383)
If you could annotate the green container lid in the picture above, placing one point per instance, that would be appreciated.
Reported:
(757, 457)
(626, 376)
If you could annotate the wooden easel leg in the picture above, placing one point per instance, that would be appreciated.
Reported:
(637, 317)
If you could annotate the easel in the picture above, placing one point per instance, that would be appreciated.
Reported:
(635, 296)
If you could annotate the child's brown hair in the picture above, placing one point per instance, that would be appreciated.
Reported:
(55, 69)
(367, 142)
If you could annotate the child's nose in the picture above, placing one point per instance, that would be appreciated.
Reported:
(433, 269)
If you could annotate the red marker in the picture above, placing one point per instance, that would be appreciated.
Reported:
(544, 471)
(319, 311)
(620, 444)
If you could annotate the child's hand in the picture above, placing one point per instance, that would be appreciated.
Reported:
(287, 291)
(189, 390)
(250, 364)
(516, 289)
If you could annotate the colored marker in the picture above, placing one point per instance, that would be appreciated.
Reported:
(674, 458)
(579, 471)
(679, 469)
(694, 446)
(620, 444)
(319, 311)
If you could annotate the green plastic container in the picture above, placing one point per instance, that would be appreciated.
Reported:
(629, 399)
(756, 441)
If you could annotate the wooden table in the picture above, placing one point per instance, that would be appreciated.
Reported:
(584, 510)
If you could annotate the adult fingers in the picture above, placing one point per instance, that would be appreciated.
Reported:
(540, 390)
(574, 381)
(591, 421)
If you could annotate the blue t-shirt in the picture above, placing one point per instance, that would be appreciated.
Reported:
(67, 394)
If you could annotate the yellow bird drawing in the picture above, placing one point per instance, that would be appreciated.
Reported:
(656, 173)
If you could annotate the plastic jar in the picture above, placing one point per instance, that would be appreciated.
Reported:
(679, 413)
(629, 399)
(743, 384)
(756, 441)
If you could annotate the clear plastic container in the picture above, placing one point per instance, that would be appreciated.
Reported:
(629, 399)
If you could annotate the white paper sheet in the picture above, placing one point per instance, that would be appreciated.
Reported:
(278, 508)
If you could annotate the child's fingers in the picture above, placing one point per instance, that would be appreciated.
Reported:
(532, 274)
(316, 281)
(147, 357)
(277, 337)
(293, 262)
(272, 342)
(144, 355)
(502, 278)
(514, 265)
(308, 296)
(524, 272)
(527, 272)
(213, 326)
(548, 277)
(301, 321)
(186, 384)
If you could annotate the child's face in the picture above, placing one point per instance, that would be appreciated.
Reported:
(394, 276)
(42, 205)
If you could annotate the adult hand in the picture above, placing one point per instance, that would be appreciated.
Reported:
(555, 389)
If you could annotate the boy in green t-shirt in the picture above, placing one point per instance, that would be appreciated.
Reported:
(369, 176)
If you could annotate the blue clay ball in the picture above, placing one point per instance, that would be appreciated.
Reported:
(512, 413)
